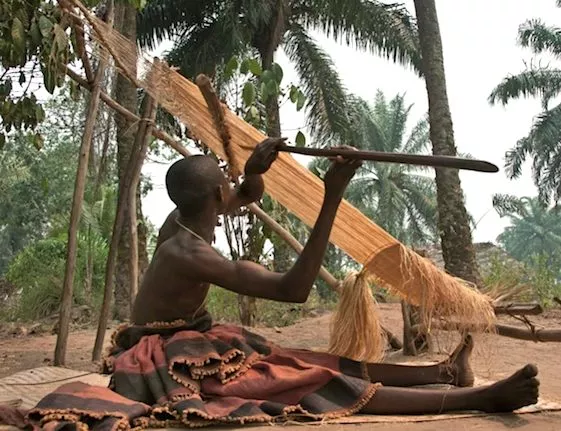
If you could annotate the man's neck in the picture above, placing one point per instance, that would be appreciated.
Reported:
(200, 226)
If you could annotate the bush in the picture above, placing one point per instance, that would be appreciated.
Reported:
(38, 274)
(540, 274)
(223, 306)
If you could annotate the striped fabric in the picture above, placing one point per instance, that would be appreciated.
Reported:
(180, 375)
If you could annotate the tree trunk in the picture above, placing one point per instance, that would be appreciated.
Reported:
(453, 222)
(75, 214)
(143, 136)
(281, 253)
(126, 95)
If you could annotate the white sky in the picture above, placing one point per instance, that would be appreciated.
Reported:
(479, 39)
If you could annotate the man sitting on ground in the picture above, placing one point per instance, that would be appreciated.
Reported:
(172, 366)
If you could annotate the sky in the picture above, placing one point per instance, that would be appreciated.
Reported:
(479, 44)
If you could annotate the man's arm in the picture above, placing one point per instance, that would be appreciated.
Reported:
(251, 190)
(248, 278)
(168, 229)
(259, 162)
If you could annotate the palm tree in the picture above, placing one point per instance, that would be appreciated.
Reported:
(542, 143)
(398, 197)
(453, 219)
(208, 33)
(535, 229)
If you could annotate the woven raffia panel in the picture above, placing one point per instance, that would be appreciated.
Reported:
(295, 187)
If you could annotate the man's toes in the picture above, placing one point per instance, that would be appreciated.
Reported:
(530, 371)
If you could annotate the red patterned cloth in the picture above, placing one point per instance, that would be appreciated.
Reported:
(197, 374)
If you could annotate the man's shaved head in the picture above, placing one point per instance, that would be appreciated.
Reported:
(192, 181)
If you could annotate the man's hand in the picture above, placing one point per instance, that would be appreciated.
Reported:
(264, 154)
(340, 173)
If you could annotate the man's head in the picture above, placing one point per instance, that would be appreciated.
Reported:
(195, 184)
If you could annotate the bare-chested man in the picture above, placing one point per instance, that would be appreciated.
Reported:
(184, 265)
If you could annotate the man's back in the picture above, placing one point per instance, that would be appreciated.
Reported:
(167, 293)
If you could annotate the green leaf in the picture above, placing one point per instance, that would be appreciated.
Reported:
(49, 79)
(2, 141)
(293, 94)
(244, 68)
(255, 67)
(300, 139)
(36, 37)
(248, 93)
(264, 92)
(18, 35)
(301, 100)
(277, 72)
(273, 89)
(39, 113)
(38, 141)
(8, 86)
(254, 113)
(61, 39)
(45, 26)
(267, 76)
(231, 67)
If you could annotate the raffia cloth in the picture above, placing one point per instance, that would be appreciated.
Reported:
(392, 264)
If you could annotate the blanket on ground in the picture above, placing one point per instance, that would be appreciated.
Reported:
(197, 374)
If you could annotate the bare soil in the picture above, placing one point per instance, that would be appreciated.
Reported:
(495, 357)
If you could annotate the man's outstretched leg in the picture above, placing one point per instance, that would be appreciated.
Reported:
(456, 370)
(519, 390)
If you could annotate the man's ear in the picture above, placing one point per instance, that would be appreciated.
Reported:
(220, 196)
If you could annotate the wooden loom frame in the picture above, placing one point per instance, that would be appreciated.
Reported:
(89, 82)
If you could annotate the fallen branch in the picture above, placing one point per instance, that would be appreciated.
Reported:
(530, 333)
(519, 309)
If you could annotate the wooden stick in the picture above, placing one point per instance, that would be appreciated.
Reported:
(124, 190)
(75, 215)
(528, 333)
(519, 309)
(409, 159)
(142, 140)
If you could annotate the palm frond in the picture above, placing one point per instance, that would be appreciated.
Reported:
(399, 115)
(202, 48)
(540, 37)
(365, 129)
(387, 30)
(508, 205)
(419, 139)
(515, 157)
(168, 19)
(326, 97)
(542, 82)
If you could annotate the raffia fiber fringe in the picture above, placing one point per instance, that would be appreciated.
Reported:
(356, 332)
(291, 184)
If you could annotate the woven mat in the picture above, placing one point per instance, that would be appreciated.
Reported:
(28, 387)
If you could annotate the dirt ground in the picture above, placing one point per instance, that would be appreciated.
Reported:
(495, 357)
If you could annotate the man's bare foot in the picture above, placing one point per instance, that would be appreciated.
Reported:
(519, 390)
(456, 370)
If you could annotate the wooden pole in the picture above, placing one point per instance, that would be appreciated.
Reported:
(142, 140)
(530, 333)
(76, 212)
(124, 187)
